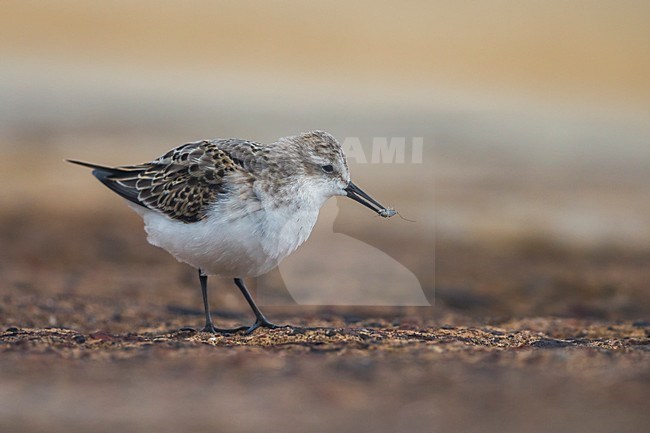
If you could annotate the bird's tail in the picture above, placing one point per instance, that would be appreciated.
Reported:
(120, 180)
(88, 164)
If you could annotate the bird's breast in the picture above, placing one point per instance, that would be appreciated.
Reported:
(285, 229)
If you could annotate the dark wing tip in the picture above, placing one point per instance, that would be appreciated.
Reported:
(110, 178)
(87, 164)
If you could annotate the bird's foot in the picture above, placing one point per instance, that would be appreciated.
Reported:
(209, 327)
(263, 322)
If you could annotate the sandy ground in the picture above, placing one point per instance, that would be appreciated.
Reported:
(93, 339)
(370, 375)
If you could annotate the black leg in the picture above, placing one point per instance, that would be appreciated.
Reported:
(260, 319)
(209, 326)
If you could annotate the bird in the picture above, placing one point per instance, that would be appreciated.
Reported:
(235, 208)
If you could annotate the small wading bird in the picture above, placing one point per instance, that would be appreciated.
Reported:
(233, 207)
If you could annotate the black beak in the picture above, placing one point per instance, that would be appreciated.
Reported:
(356, 194)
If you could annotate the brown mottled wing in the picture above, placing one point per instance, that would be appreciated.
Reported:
(181, 184)
(184, 182)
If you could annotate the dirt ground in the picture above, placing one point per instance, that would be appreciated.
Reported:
(528, 338)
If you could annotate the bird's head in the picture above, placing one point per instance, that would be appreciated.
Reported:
(321, 166)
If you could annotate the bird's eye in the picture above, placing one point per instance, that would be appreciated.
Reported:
(328, 168)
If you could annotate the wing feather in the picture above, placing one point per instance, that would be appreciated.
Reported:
(185, 181)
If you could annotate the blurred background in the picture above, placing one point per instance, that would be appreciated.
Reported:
(531, 198)
(534, 120)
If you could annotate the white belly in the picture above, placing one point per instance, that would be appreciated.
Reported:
(246, 246)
